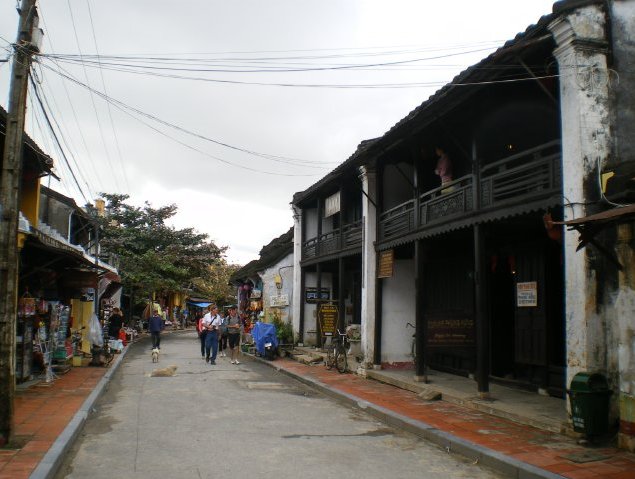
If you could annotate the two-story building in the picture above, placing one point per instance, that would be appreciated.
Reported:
(456, 205)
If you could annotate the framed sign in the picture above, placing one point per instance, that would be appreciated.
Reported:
(327, 316)
(279, 301)
(386, 264)
(527, 294)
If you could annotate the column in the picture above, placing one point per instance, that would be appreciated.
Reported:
(586, 145)
(297, 297)
(369, 263)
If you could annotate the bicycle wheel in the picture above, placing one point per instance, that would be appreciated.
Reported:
(340, 358)
(330, 357)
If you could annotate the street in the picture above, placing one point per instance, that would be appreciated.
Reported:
(244, 420)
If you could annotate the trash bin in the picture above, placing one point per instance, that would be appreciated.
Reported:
(589, 394)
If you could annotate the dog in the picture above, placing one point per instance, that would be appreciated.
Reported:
(155, 355)
(164, 373)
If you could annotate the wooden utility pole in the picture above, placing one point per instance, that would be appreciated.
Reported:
(9, 204)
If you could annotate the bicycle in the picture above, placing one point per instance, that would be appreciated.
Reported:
(336, 353)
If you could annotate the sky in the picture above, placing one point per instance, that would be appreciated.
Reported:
(227, 108)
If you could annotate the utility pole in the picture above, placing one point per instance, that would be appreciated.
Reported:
(9, 203)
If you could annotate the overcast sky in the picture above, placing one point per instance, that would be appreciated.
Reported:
(302, 120)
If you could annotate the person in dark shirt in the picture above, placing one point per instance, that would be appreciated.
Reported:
(155, 326)
(115, 323)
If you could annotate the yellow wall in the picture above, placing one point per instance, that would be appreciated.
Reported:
(30, 200)
(82, 312)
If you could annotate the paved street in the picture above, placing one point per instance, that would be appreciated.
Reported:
(241, 421)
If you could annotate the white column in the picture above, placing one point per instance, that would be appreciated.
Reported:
(369, 262)
(296, 296)
(586, 145)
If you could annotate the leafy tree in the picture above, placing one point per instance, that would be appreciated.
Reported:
(214, 283)
(154, 256)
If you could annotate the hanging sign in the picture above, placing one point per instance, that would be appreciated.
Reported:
(327, 315)
(527, 294)
(386, 263)
(332, 205)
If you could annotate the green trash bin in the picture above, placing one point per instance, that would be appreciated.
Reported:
(589, 394)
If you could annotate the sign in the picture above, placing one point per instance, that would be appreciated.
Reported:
(527, 294)
(451, 332)
(327, 316)
(88, 295)
(255, 294)
(279, 301)
(311, 295)
(386, 263)
(332, 205)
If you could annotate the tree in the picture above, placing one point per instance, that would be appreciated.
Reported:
(154, 256)
(214, 283)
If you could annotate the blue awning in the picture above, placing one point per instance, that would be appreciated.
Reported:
(199, 305)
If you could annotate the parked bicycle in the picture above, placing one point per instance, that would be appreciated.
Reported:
(336, 353)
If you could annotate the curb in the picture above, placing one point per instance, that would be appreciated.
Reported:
(52, 460)
(485, 456)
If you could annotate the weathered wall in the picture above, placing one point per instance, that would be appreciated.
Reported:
(623, 53)
(284, 267)
(398, 308)
(586, 144)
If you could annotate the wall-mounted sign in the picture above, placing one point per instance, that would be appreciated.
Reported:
(451, 331)
(311, 295)
(255, 294)
(88, 295)
(386, 264)
(279, 301)
(332, 205)
(327, 315)
(527, 294)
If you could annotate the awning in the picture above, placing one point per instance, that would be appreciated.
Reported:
(590, 226)
(199, 305)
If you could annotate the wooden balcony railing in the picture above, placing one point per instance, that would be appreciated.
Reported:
(341, 239)
(517, 179)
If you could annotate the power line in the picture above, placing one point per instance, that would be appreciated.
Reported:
(101, 130)
(103, 82)
(48, 121)
(126, 109)
(280, 159)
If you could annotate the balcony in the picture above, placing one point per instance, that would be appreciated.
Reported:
(341, 240)
(512, 183)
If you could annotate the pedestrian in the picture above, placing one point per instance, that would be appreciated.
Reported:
(115, 323)
(201, 332)
(234, 325)
(222, 337)
(211, 323)
(155, 326)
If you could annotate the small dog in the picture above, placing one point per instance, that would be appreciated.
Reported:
(155, 355)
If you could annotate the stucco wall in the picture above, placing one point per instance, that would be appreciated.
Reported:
(270, 290)
(398, 308)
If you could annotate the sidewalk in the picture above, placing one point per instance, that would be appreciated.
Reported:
(48, 417)
(515, 449)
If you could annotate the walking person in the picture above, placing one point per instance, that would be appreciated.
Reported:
(155, 326)
(211, 324)
(201, 332)
(234, 326)
(222, 338)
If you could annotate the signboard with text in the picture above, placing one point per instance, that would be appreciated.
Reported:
(311, 295)
(386, 264)
(527, 294)
(327, 316)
